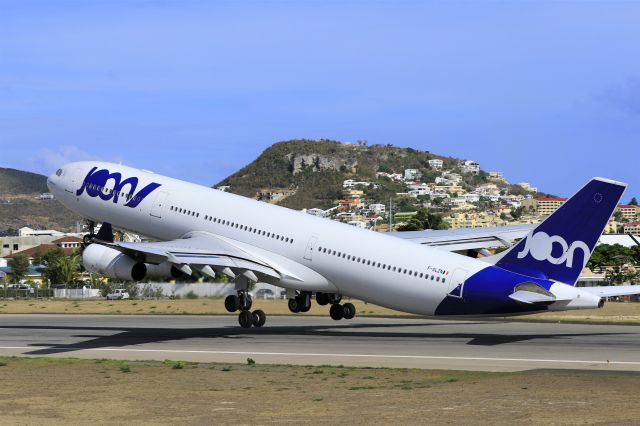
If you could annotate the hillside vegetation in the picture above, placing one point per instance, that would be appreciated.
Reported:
(20, 207)
(316, 170)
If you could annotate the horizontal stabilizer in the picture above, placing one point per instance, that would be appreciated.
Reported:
(613, 290)
(530, 297)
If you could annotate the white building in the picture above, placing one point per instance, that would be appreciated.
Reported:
(527, 187)
(358, 224)
(444, 182)
(315, 212)
(28, 232)
(419, 186)
(377, 208)
(416, 192)
(350, 183)
(455, 177)
(456, 201)
(470, 166)
(392, 176)
(436, 164)
(412, 174)
(471, 197)
(442, 195)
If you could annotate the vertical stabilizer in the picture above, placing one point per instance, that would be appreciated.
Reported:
(561, 245)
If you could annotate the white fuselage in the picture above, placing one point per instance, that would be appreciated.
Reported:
(368, 265)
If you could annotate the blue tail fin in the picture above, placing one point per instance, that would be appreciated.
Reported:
(561, 245)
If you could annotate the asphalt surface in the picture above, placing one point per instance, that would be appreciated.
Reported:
(375, 342)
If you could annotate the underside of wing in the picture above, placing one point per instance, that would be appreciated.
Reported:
(203, 252)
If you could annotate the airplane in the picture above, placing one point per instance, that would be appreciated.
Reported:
(200, 228)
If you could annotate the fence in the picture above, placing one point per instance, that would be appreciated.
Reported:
(30, 293)
(76, 293)
(197, 289)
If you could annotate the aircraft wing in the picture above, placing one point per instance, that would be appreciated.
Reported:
(467, 238)
(613, 290)
(201, 251)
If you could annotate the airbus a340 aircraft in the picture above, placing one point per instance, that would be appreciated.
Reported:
(215, 232)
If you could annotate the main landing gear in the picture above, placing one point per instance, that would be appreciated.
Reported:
(242, 302)
(302, 303)
(88, 238)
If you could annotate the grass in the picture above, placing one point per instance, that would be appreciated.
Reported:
(44, 391)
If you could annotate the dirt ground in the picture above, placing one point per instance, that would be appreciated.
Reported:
(624, 313)
(72, 391)
(202, 306)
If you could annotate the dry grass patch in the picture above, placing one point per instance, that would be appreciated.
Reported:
(71, 391)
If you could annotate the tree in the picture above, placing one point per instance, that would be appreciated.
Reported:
(633, 202)
(53, 260)
(65, 269)
(19, 265)
(517, 212)
(424, 220)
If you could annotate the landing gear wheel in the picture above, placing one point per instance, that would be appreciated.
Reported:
(245, 319)
(349, 310)
(322, 299)
(294, 305)
(87, 239)
(304, 307)
(232, 303)
(336, 312)
(259, 318)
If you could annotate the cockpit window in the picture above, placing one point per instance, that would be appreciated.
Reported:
(59, 172)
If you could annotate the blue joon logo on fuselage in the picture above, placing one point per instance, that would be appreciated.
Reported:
(95, 184)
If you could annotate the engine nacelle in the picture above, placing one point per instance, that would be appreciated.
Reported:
(163, 271)
(111, 263)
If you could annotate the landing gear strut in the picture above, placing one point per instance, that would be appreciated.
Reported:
(88, 238)
(242, 302)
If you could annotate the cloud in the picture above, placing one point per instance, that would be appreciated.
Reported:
(50, 159)
(624, 96)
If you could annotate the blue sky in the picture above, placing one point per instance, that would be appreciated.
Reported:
(547, 92)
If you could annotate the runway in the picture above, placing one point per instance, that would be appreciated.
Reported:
(373, 342)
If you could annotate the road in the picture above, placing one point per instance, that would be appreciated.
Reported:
(374, 342)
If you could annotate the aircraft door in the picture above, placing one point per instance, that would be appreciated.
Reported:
(158, 204)
(311, 245)
(456, 282)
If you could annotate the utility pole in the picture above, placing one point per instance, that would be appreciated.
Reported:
(390, 214)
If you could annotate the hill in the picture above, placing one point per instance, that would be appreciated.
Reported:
(20, 206)
(310, 173)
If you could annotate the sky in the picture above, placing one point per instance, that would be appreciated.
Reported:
(546, 92)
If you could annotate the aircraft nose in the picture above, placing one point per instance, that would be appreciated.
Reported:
(51, 181)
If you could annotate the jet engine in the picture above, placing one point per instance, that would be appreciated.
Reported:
(163, 271)
(111, 263)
